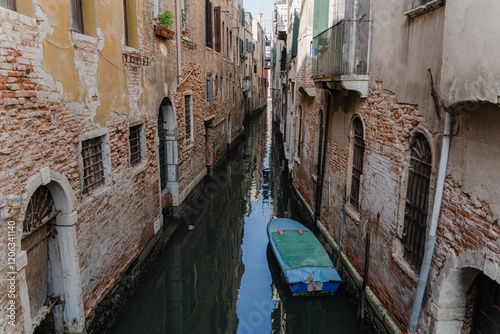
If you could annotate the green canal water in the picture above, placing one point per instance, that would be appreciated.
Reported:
(217, 273)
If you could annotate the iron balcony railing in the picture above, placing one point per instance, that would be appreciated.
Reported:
(342, 49)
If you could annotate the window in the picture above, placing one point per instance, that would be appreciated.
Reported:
(208, 24)
(357, 152)
(93, 167)
(216, 88)
(221, 89)
(135, 142)
(77, 16)
(231, 51)
(10, 4)
(82, 16)
(234, 98)
(255, 69)
(130, 23)
(227, 88)
(417, 201)
(218, 32)
(210, 89)
(188, 116)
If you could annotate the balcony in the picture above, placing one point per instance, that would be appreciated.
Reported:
(247, 83)
(340, 54)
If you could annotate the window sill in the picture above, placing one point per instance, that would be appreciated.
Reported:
(13, 16)
(425, 8)
(78, 37)
(136, 170)
(96, 195)
(130, 49)
(314, 177)
(297, 160)
(353, 213)
(405, 267)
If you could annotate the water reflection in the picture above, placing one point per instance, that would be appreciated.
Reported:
(216, 274)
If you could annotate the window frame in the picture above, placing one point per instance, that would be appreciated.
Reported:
(357, 148)
(106, 180)
(413, 253)
(189, 135)
(76, 5)
(141, 144)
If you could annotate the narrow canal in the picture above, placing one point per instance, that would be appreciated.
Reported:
(216, 274)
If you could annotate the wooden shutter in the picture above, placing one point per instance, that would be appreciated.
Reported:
(210, 90)
(217, 23)
(208, 25)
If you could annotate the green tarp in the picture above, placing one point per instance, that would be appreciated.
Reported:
(301, 250)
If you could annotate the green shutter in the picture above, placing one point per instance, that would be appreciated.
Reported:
(295, 38)
(321, 9)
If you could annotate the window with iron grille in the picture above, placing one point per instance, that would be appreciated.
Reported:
(162, 150)
(188, 116)
(357, 161)
(77, 16)
(417, 201)
(135, 145)
(321, 129)
(93, 167)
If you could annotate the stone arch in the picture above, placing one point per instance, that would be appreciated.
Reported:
(63, 252)
(168, 152)
(351, 123)
(448, 295)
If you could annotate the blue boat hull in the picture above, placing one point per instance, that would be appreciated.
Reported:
(305, 280)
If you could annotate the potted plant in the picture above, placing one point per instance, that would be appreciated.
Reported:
(183, 19)
(164, 21)
(243, 57)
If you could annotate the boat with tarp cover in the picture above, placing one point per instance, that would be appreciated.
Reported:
(305, 264)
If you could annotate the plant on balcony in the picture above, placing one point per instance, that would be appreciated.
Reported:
(164, 21)
(183, 19)
(248, 77)
(243, 57)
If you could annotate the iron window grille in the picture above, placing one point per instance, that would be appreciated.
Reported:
(40, 211)
(93, 169)
(357, 162)
(299, 135)
(417, 201)
(188, 116)
(135, 145)
(320, 143)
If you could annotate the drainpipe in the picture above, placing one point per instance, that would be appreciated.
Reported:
(321, 160)
(431, 240)
(178, 38)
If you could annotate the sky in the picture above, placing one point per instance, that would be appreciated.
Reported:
(265, 7)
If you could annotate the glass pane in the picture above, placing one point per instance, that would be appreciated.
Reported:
(74, 15)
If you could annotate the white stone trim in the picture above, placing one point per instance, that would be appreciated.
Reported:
(177, 200)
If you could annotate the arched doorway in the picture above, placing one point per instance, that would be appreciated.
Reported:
(466, 295)
(44, 262)
(168, 150)
(48, 267)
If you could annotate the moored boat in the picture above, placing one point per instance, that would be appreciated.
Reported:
(305, 264)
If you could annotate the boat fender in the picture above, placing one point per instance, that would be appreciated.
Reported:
(300, 231)
(281, 232)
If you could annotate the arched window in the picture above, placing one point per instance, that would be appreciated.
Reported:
(357, 152)
(417, 200)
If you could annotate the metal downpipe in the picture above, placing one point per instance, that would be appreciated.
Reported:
(178, 32)
(321, 160)
(431, 239)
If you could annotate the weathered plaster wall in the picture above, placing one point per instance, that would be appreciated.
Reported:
(470, 72)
